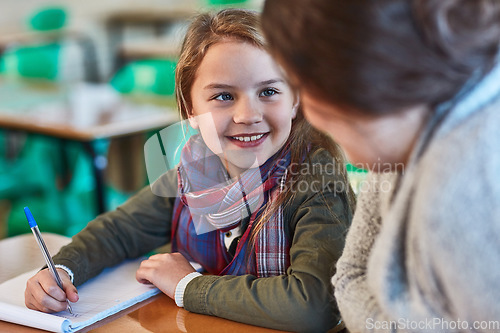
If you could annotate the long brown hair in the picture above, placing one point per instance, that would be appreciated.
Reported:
(210, 28)
(383, 56)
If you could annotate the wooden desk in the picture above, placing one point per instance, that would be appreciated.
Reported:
(159, 314)
(78, 112)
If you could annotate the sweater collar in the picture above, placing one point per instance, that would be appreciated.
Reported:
(474, 96)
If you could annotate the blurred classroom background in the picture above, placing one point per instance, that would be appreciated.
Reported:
(83, 85)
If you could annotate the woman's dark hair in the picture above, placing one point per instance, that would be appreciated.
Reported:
(383, 56)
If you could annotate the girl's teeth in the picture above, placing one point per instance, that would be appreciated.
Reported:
(248, 138)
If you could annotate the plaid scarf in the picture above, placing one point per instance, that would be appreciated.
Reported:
(210, 204)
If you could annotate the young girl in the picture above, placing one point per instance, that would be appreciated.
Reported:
(416, 86)
(280, 215)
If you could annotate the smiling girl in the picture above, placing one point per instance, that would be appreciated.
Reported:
(273, 242)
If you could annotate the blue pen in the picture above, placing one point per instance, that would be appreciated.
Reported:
(45, 251)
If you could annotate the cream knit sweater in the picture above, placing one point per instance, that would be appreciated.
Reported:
(425, 255)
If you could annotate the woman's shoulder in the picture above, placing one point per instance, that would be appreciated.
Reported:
(466, 156)
(456, 179)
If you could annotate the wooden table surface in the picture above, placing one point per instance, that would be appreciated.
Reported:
(82, 112)
(20, 254)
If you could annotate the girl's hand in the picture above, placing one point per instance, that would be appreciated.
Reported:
(164, 271)
(43, 294)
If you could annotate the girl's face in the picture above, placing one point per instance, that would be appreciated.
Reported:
(241, 104)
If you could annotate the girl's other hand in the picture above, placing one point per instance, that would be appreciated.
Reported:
(43, 294)
(164, 271)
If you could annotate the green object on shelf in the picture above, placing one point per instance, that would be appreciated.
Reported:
(147, 76)
(36, 61)
(39, 60)
(49, 18)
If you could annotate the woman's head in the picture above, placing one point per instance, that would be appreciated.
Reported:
(230, 88)
(368, 59)
(383, 56)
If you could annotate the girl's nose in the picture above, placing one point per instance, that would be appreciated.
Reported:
(247, 112)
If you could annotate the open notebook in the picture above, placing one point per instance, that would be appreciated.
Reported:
(113, 290)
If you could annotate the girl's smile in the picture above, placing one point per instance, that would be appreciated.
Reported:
(248, 140)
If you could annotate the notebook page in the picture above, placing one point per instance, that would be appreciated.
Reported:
(113, 290)
(20, 314)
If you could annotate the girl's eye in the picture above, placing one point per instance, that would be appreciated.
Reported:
(223, 97)
(268, 92)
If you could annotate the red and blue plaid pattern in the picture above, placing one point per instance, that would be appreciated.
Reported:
(210, 203)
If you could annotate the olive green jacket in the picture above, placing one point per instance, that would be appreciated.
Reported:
(318, 218)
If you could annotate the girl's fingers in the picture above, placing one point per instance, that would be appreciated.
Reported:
(71, 292)
(43, 294)
(44, 283)
(69, 289)
(53, 291)
(43, 302)
(143, 275)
